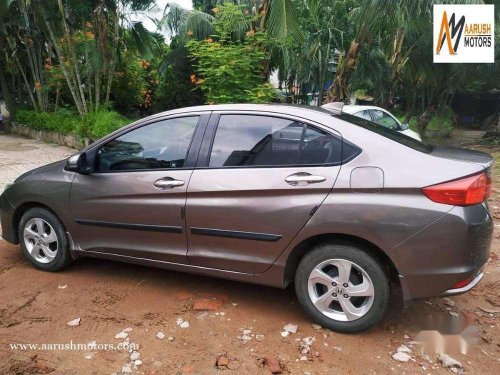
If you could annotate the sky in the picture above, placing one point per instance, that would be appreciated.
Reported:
(187, 4)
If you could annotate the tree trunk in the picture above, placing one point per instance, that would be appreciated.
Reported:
(28, 87)
(338, 91)
(424, 119)
(71, 85)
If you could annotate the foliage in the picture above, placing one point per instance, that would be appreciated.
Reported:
(102, 122)
(130, 89)
(93, 125)
(228, 65)
(62, 121)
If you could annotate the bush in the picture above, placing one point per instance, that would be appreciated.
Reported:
(62, 121)
(93, 125)
(443, 120)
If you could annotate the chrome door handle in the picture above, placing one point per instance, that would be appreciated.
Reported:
(303, 178)
(167, 183)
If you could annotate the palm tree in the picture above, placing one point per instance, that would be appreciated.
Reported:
(396, 19)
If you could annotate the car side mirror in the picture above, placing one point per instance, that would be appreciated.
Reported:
(78, 163)
(405, 126)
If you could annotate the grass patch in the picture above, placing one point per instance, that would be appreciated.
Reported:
(93, 125)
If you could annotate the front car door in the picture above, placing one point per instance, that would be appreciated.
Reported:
(259, 179)
(133, 203)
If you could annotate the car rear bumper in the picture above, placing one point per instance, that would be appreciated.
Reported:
(445, 254)
(456, 291)
(6, 219)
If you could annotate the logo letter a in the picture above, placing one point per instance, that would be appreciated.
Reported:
(444, 29)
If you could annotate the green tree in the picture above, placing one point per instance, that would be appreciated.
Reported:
(229, 69)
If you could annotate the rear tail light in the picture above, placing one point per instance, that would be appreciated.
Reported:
(466, 191)
(463, 283)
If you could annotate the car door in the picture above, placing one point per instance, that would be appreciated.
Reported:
(133, 202)
(259, 179)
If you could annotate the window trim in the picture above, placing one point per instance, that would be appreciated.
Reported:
(191, 154)
(208, 142)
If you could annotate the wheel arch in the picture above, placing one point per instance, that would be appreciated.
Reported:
(303, 247)
(21, 210)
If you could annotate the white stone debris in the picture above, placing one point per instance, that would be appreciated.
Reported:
(160, 335)
(246, 335)
(448, 362)
(127, 368)
(74, 322)
(182, 323)
(121, 335)
(403, 349)
(135, 355)
(305, 345)
(401, 357)
(291, 328)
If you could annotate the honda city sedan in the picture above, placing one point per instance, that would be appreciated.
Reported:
(343, 208)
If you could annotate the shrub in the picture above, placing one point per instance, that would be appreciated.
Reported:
(61, 121)
(93, 125)
(443, 120)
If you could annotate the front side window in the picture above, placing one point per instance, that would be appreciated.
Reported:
(163, 144)
(251, 140)
(382, 118)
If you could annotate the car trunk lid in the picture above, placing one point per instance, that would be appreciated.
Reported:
(484, 160)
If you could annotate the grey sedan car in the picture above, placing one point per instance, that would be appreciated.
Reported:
(269, 194)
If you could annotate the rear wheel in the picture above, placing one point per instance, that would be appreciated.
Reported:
(43, 240)
(342, 287)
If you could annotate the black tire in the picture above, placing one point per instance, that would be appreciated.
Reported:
(368, 263)
(63, 257)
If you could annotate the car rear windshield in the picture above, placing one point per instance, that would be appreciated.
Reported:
(388, 133)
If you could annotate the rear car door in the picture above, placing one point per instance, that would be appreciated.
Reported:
(259, 179)
(133, 202)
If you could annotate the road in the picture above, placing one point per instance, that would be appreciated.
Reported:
(147, 303)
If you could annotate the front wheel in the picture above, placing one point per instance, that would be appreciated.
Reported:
(342, 287)
(43, 240)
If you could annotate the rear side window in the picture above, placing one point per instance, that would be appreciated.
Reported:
(364, 114)
(382, 118)
(252, 140)
(388, 133)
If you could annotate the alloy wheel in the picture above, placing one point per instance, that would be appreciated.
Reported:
(40, 240)
(341, 290)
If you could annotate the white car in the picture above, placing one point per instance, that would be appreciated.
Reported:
(377, 115)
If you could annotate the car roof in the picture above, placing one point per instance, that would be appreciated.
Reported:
(292, 109)
(356, 108)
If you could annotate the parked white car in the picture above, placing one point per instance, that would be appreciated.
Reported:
(375, 114)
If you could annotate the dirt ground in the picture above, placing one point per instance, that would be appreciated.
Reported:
(109, 297)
